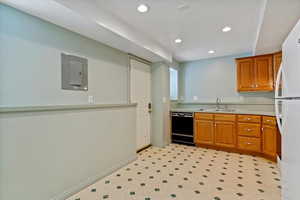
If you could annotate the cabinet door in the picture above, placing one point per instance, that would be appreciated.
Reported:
(204, 132)
(245, 74)
(269, 137)
(277, 58)
(264, 73)
(225, 134)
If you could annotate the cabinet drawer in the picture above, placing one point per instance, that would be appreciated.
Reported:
(223, 117)
(269, 120)
(249, 118)
(252, 130)
(249, 143)
(206, 116)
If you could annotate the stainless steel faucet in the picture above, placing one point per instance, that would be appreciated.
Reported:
(218, 101)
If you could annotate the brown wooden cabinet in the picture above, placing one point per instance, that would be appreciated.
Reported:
(215, 129)
(251, 144)
(269, 136)
(245, 74)
(225, 134)
(204, 131)
(251, 134)
(250, 130)
(263, 66)
(255, 73)
(277, 59)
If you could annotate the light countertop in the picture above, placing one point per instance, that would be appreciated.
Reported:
(236, 111)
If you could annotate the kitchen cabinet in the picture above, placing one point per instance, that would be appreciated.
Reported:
(255, 73)
(249, 144)
(263, 66)
(215, 129)
(204, 131)
(245, 74)
(249, 134)
(250, 130)
(249, 118)
(269, 136)
(277, 59)
(225, 134)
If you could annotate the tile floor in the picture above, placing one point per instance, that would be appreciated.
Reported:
(189, 173)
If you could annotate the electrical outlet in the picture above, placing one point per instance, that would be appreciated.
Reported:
(91, 100)
(195, 98)
(164, 100)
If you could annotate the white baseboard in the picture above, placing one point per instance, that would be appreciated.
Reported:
(91, 180)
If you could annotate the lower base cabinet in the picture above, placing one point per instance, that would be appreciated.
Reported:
(249, 144)
(225, 134)
(205, 132)
(269, 134)
(252, 134)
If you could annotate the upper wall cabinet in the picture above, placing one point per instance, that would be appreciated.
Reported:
(245, 74)
(277, 58)
(256, 73)
(263, 74)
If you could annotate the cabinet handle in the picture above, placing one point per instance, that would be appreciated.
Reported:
(268, 120)
(248, 143)
(248, 118)
(248, 129)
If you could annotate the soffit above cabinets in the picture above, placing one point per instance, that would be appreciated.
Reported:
(279, 19)
(105, 29)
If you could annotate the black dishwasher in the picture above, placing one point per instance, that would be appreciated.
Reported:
(183, 128)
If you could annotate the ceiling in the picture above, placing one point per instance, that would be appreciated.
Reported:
(105, 28)
(198, 23)
(279, 19)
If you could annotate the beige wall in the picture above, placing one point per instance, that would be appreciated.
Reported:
(160, 86)
(30, 70)
(208, 79)
(50, 155)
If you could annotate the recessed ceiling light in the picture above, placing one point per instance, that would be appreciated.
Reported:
(183, 7)
(178, 40)
(142, 8)
(226, 29)
(211, 51)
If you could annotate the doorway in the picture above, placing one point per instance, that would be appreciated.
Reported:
(140, 93)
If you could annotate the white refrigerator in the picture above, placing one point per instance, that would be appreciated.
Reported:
(287, 106)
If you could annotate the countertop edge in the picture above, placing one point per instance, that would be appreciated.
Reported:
(62, 107)
(263, 113)
(223, 103)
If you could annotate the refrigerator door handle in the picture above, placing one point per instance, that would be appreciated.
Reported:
(278, 115)
(278, 82)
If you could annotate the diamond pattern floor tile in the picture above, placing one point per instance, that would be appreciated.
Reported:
(189, 173)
